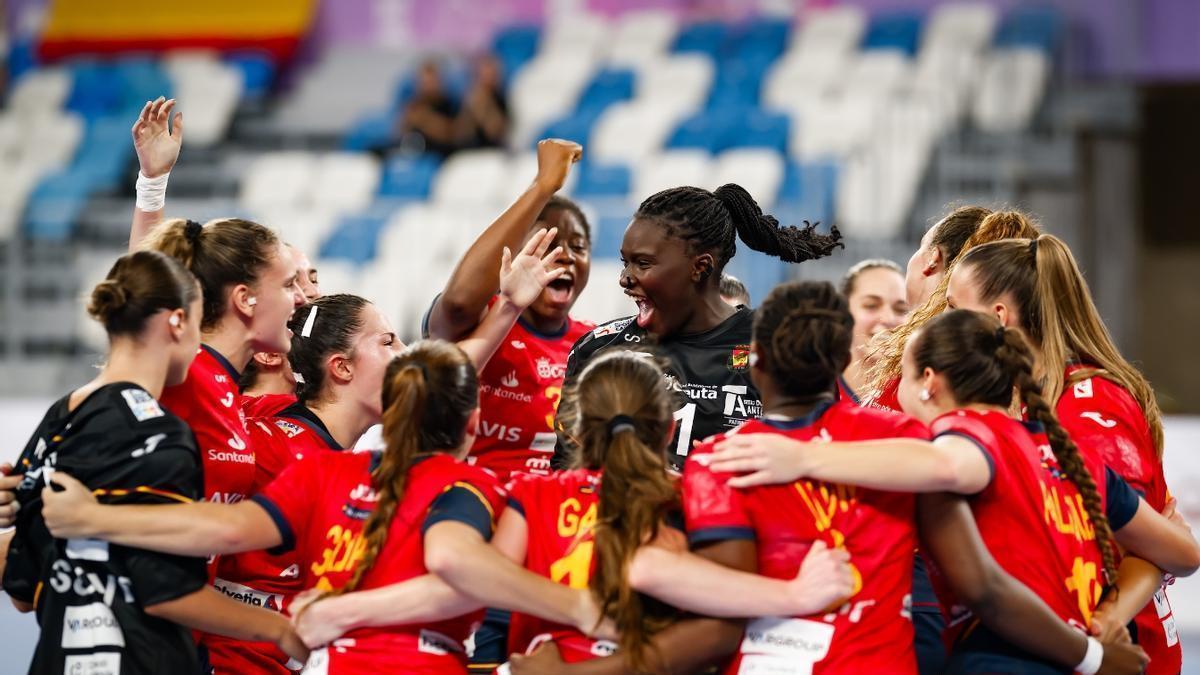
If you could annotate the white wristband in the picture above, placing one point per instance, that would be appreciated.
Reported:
(152, 192)
(1090, 665)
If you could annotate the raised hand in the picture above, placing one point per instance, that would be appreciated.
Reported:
(157, 147)
(825, 580)
(67, 511)
(8, 495)
(523, 278)
(555, 157)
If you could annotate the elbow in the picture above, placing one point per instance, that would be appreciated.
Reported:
(22, 607)
(446, 560)
(643, 572)
(982, 598)
(1188, 563)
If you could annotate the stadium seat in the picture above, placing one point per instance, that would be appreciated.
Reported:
(373, 130)
(470, 176)
(1011, 89)
(808, 189)
(329, 97)
(208, 92)
(603, 300)
(672, 168)
(577, 33)
(355, 237)
(832, 128)
(1033, 26)
(705, 37)
(758, 129)
(878, 73)
(576, 126)
(703, 131)
(257, 69)
(600, 181)
(628, 131)
(278, 179)
(759, 170)
(546, 89)
(894, 30)
(641, 36)
(345, 181)
(54, 207)
(758, 39)
(837, 29)
(607, 87)
(681, 80)
(306, 228)
(965, 26)
(800, 76)
(514, 46)
(41, 91)
(408, 177)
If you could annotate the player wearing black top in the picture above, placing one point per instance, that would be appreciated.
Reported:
(673, 253)
(90, 595)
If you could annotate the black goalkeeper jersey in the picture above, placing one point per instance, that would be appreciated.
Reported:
(89, 594)
(709, 373)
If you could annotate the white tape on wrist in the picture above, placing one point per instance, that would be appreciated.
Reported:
(152, 192)
(1090, 665)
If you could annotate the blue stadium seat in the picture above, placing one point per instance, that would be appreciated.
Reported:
(258, 72)
(574, 127)
(757, 271)
(1034, 26)
(706, 37)
(371, 131)
(97, 89)
(142, 80)
(55, 205)
(599, 181)
(808, 191)
(758, 129)
(515, 46)
(22, 57)
(738, 83)
(609, 229)
(106, 153)
(894, 30)
(702, 131)
(758, 38)
(408, 177)
(355, 238)
(606, 88)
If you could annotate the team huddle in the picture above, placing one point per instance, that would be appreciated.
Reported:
(948, 468)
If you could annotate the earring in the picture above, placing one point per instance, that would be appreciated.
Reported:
(174, 320)
(925, 396)
(252, 301)
(753, 359)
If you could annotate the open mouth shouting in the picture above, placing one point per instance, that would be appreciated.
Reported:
(561, 290)
(646, 309)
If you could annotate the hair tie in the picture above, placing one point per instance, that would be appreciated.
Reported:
(620, 423)
(1033, 248)
(309, 322)
(192, 230)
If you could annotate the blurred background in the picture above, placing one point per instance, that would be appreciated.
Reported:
(380, 136)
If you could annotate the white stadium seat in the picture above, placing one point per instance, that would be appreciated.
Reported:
(670, 169)
(759, 170)
(968, 26)
(345, 181)
(836, 29)
(576, 33)
(680, 80)
(41, 91)
(470, 176)
(630, 131)
(641, 36)
(1011, 89)
(279, 179)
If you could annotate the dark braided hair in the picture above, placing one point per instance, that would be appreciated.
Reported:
(339, 318)
(560, 203)
(982, 363)
(804, 330)
(713, 221)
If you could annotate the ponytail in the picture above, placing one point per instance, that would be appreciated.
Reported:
(804, 330)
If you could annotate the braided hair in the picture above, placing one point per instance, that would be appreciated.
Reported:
(982, 362)
(804, 330)
(714, 221)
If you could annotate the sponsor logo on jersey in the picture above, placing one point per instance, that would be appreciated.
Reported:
(227, 399)
(103, 663)
(68, 577)
(499, 431)
(538, 465)
(237, 443)
(249, 596)
(290, 428)
(234, 457)
(739, 359)
(88, 626)
(432, 642)
(95, 550)
(221, 378)
(696, 392)
(363, 493)
(1098, 419)
(510, 380)
(354, 513)
(226, 497)
(546, 369)
(292, 572)
(40, 448)
(611, 328)
(517, 344)
(738, 404)
(506, 394)
(142, 404)
(1083, 388)
(150, 446)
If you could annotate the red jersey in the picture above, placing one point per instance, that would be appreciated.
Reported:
(320, 505)
(519, 391)
(211, 405)
(257, 577)
(1031, 518)
(889, 397)
(266, 405)
(872, 631)
(1107, 423)
(560, 514)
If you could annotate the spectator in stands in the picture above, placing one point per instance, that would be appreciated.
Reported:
(733, 291)
(483, 121)
(430, 120)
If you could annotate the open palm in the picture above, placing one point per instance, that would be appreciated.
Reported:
(157, 147)
(523, 278)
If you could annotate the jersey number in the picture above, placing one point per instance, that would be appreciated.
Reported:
(343, 551)
(686, 417)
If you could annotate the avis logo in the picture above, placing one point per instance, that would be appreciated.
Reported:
(510, 380)
(500, 432)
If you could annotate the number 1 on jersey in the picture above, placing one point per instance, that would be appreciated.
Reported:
(685, 416)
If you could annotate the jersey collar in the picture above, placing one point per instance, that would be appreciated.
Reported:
(299, 413)
(544, 336)
(224, 362)
(799, 422)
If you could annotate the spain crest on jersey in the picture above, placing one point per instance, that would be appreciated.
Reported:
(739, 358)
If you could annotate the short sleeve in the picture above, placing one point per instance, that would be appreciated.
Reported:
(971, 429)
(271, 454)
(462, 503)
(1105, 431)
(713, 511)
(909, 427)
(288, 499)
(1121, 500)
(518, 492)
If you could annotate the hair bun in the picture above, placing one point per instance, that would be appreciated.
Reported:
(108, 298)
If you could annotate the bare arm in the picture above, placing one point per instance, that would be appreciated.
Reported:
(157, 150)
(197, 529)
(209, 611)
(686, 581)
(1137, 582)
(948, 464)
(1155, 538)
(1000, 602)
(457, 311)
(458, 554)
(425, 598)
(522, 279)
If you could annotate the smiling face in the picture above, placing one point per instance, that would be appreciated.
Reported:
(374, 348)
(557, 299)
(877, 302)
(659, 275)
(306, 274)
(276, 296)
